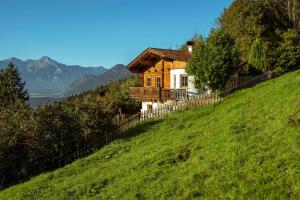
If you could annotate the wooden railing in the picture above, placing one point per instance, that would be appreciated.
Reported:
(156, 93)
(145, 93)
(174, 94)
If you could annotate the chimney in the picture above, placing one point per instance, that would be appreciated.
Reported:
(190, 45)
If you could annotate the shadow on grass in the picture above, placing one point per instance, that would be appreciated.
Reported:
(138, 129)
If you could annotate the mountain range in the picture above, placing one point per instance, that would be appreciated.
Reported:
(47, 77)
(117, 72)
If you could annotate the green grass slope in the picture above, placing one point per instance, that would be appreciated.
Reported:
(242, 148)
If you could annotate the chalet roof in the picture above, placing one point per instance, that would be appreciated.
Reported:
(152, 55)
(174, 54)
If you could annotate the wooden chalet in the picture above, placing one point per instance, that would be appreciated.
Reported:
(163, 77)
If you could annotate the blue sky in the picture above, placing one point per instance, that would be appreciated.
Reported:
(100, 32)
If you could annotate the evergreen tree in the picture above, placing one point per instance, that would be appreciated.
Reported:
(12, 89)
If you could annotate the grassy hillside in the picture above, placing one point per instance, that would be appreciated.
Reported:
(244, 147)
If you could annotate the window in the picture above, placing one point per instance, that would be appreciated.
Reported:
(158, 81)
(174, 79)
(183, 81)
(148, 81)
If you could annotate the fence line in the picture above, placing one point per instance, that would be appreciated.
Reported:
(196, 100)
(200, 100)
(124, 124)
(41, 165)
(204, 99)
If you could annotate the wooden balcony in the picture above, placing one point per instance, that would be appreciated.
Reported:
(145, 93)
(174, 94)
(156, 93)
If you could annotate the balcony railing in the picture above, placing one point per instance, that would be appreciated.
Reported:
(145, 93)
(174, 94)
(156, 93)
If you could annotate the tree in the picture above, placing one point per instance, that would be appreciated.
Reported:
(33, 140)
(257, 56)
(289, 50)
(243, 21)
(56, 130)
(292, 8)
(13, 130)
(213, 60)
(246, 21)
(14, 143)
(118, 96)
(12, 89)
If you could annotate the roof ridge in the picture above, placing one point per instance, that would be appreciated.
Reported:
(179, 55)
(168, 49)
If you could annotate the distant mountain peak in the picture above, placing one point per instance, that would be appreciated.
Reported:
(47, 59)
(118, 67)
(15, 59)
